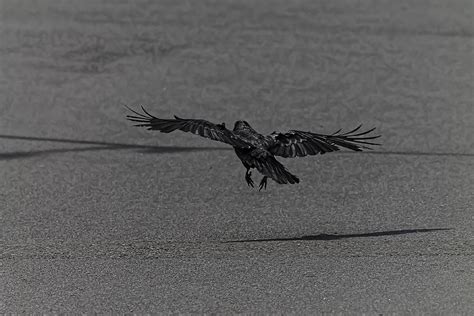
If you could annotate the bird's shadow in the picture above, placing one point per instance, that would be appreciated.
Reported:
(96, 146)
(343, 236)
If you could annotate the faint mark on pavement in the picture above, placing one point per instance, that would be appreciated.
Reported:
(99, 146)
(411, 153)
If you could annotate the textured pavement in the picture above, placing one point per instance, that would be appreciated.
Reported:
(99, 216)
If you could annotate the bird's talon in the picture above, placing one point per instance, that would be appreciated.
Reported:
(263, 184)
(249, 179)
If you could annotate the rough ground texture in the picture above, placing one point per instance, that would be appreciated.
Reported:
(98, 216)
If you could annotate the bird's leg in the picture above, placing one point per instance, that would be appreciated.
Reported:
(263, 183)
(248, 178)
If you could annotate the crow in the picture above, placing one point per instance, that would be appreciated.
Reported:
(256, 150)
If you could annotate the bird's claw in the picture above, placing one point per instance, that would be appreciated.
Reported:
(249, 179)
(263, 184)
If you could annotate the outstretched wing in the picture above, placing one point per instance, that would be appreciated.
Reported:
(202, 128)
(300, 144)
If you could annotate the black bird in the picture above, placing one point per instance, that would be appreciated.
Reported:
(256, 150)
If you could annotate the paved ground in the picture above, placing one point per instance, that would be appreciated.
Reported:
(99, 216)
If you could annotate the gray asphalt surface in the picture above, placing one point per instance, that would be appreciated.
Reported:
(98, 216)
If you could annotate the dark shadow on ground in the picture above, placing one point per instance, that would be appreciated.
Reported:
(336, 236)
(99, 146)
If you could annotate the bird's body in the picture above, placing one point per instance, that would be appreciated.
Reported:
(245, 131)
(258, 151)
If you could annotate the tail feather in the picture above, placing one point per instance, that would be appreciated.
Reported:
(272, 168)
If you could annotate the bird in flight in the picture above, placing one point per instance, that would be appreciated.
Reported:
(258, 151)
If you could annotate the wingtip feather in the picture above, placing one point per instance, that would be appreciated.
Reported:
(146, 112)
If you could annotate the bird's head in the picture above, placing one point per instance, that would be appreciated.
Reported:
(241, 125)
